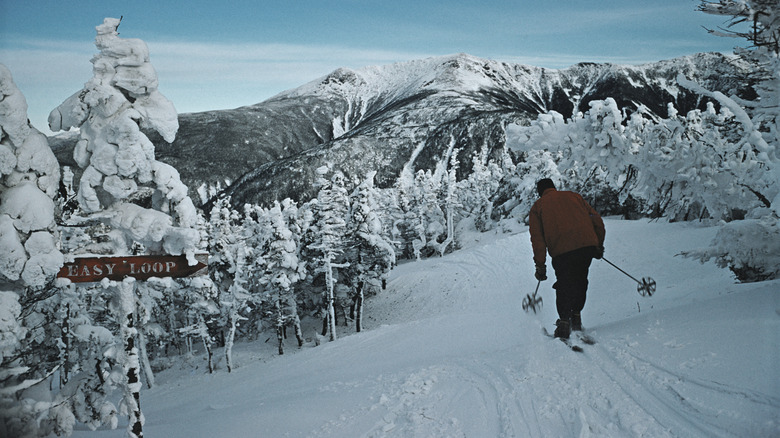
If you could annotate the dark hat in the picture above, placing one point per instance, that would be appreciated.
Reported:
(543, 185)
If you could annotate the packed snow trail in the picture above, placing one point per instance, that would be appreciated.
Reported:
(448, 352)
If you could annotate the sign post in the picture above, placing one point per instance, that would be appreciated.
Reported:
(127, 270)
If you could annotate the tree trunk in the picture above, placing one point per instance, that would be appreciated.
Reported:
(330, 311)
(145, 360)
(188, 339)
(229, 340)
(279, 327)
(325, 320)
(66, 347)
(204, 335)
(298, 331)
(126, 317)
(359, 308)
(210, 353)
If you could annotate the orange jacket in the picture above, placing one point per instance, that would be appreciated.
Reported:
(561, 222)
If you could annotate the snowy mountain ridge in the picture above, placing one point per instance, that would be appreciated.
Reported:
(374, 88)
(384, 117)
(463, 72)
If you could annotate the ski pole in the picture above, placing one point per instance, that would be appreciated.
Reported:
(646, 287)
(531, 301)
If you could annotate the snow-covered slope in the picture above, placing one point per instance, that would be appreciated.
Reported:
(448, 351)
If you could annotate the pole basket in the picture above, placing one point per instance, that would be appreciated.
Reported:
(532, 302)
(646, 287)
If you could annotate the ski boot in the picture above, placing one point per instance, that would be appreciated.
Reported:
(562, 329)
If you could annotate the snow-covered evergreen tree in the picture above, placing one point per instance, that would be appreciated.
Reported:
(371, 256)
(117, 158)
(255, 233)
(519, 186)
(452, 205)
(331, 215)
(402, 213)
(758, 22)
(223, 232)
(88, 350)
(120, 170)
(30, 177)
(227, 269)
(29, 260)
(477, 192)
(430, 222)
(597, 152)
(748, 246)
(233, 302)
(283, 270)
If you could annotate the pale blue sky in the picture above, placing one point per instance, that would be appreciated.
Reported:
(217, 55)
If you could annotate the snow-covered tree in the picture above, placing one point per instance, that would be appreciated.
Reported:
(255, 233)
(519, 186)
(200, 302)
(477, 192)
(233, 301)
(29, 180)
(223, 231)
(371, 255)
(283, 271)
(227, 269)
(402, 214)
(118, 159)
(427, 216)
(29, 260)
(757, 22)
(329, 240)
(120, 172)
(87, 350)
(597, 146)
(748, 246)
(451, 202)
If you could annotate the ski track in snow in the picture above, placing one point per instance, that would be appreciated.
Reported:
(448, 352)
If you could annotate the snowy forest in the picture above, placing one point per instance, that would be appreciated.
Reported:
(299, 272)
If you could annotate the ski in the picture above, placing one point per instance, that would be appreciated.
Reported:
(587, 339)
(573, 347)
(566, 342)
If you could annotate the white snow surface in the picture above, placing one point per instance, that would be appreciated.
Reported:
(447, 351)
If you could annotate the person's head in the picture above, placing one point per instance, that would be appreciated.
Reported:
(544, 184)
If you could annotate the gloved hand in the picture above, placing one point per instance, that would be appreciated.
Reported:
(541, 272)
(599, 252)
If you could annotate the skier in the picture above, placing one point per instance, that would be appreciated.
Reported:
(566, 226)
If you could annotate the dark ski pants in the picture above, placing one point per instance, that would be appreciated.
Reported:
(571, 280)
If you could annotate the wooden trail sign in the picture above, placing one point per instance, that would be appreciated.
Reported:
(142, 267)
